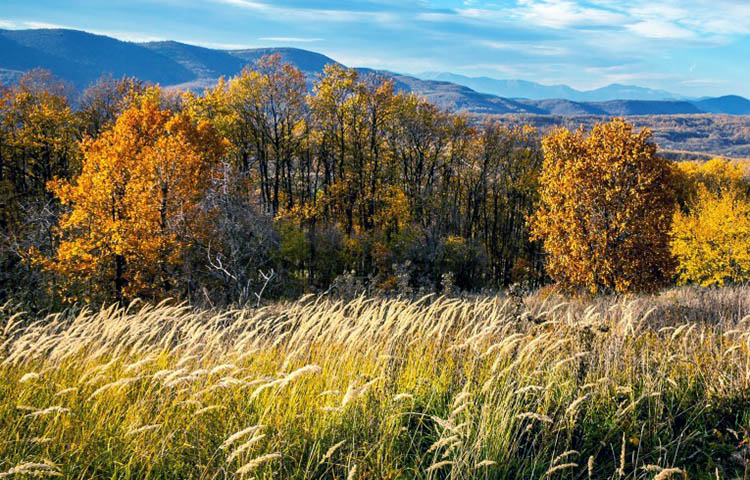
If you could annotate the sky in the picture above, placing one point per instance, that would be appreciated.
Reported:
(690, 47)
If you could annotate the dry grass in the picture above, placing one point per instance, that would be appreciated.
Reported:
(639, 387)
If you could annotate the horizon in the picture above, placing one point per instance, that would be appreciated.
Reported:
(583, 44)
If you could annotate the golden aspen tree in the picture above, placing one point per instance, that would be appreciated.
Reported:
(607, 202)
(712, 241)
(716, 175)
(136, 206)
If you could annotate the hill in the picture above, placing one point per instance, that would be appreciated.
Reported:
(80, 58)
(730, 104)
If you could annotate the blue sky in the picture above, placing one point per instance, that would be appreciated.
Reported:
(693, 47)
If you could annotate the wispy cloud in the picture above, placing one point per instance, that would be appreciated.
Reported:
(121, 35)
(663, 29)
(33, 24)
(315, 14)
(526, 48)
(290, 39)
(564, 14)
(703, 82)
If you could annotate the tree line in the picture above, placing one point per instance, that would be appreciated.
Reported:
(140, 192)
(265, 183)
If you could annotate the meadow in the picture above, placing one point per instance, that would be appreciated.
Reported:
(637, 387)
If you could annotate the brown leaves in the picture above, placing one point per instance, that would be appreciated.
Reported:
(606, 206)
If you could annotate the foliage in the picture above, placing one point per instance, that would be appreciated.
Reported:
(607, 203)
(363, 167)
(717, 175)
(712, 241)
(340, 176)
(135, 209)
(476, 388)
(104, 101)
(38, 141)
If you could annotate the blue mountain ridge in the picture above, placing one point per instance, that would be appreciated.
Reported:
(80, 58)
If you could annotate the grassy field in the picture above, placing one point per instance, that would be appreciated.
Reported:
(636, 387)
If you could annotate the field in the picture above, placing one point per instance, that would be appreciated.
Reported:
(480, 387)
(680, 137)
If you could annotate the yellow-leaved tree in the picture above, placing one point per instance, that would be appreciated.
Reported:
(716, 175)
(606, 206)
(711, 235)
(135, 209)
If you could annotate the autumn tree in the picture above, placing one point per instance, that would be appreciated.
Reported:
(606, 207)
(712, 241)
(38, 142)
(354, 185)
(135, 209)
(38, 139)
(711, 232)
(716, 176)
(262, 111)
(102, 102)
(502, 192)
(418, 137)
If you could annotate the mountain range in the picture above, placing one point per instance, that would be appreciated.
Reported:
(538, 91)
(80, 58)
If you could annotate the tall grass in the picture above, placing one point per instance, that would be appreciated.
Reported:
(637, 387)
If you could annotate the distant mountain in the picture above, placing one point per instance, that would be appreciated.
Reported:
(207, 62)
(207, 65)
(730, 104)
(565, 107)
(538, 91)
(200, 62)
(81, 58)
(615, 107)
(617, 91)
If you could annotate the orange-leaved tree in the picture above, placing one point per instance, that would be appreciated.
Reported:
(606, 205)
(135, 209)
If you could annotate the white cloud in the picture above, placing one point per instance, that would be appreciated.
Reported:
(222, 46)
(703, 82)
(33, 24)
(526, 47)
(290, 39)
(313, 14)
(563, 14)
(663, 29)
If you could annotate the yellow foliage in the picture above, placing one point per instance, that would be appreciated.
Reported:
(606, 207)
(716, 175)
(37, 142)
(712, 242)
